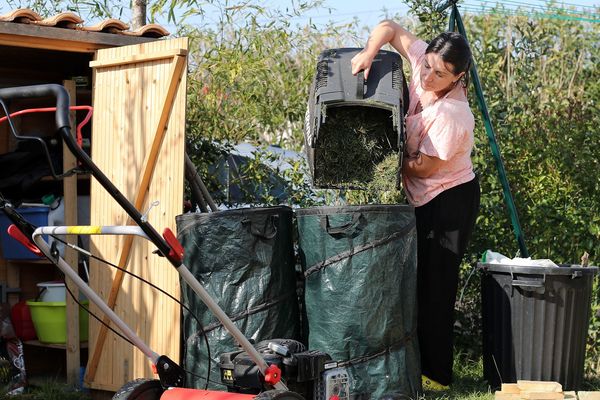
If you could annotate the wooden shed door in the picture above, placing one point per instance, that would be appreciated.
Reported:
(138, 142)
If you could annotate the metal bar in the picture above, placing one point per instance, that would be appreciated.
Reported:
(191, 169)
(193, 283)
(190, 172)
(442, 7)
(184, 272)
(88, 292)
(508, 198)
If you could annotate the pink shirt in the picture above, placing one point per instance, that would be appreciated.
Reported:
(437, 127)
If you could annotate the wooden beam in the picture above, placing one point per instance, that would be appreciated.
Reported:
(137, 58)
(582, 395)
(71, 256)
(510, 388)
(542, 395)
(179, 62)
(539, 386)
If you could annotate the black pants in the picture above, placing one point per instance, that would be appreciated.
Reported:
(444, 227)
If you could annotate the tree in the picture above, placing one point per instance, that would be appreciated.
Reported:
(138, 14)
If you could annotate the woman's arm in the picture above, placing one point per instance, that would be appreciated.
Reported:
(385, 32)
(421, 166)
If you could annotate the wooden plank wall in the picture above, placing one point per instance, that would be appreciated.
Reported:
(130, 87)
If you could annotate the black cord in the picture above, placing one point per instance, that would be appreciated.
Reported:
(95, 316)
(185, 307)
(205, 378)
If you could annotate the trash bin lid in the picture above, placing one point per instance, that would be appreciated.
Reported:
(562, 269)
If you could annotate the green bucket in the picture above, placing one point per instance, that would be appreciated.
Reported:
(50, 321)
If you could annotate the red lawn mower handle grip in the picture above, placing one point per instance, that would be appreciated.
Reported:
(47, 90)
(24, 240)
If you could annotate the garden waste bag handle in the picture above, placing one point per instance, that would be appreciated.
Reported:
(349, 229)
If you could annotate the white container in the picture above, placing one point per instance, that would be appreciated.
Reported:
(52, 291)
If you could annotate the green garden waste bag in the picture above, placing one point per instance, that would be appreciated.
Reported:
(360, 267)
(244, 258)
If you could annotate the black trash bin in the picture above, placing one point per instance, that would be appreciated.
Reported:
(535, 322)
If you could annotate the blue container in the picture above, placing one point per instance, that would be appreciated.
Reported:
(13, 249)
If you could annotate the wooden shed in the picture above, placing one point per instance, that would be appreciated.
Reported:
(136, 85)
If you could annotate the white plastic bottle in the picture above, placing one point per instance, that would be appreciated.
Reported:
(56, 217)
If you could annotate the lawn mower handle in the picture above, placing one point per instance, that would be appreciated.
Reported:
(39, 91)
(63, 126)
(168, 245)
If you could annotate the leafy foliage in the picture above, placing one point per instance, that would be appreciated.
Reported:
(541, 82)
(251, 73)
(88, 9)
(249, 77)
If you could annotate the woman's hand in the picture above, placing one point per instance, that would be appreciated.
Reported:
(386, 32)
(362, 62)
(422, 166)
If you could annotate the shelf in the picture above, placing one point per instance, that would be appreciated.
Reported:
(41, 261)
(60, 346)
(82, 176)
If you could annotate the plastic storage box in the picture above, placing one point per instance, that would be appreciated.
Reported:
(335, 90)
(51, 291)
(535, 322)
(13, 249)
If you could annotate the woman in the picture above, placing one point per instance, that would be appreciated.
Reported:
(438, 179)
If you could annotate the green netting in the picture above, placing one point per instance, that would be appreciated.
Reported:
(244, 259)
(360, 264)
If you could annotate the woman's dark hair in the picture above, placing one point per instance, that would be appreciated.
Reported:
(453, 49)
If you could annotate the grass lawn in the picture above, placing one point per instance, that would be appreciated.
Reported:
(468, 385)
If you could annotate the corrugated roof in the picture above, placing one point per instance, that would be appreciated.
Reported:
(69, 20)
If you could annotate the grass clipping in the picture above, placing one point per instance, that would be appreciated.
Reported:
(354, 147)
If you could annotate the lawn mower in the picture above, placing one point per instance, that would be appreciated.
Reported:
(279, 369)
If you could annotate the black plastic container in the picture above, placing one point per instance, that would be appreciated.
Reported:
(383, 96)
(535, 322)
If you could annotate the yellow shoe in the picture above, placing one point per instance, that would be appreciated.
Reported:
(431, 385)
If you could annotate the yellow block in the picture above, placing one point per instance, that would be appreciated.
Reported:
(539, 386)
(588, 395)
(506, 396)
(542, 395)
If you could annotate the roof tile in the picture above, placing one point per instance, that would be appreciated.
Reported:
(69, 20)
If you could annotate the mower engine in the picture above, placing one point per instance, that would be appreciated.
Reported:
(310, 373)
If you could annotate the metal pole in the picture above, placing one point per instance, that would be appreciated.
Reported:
(456, 22)
(184, 272)
(87, 291)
